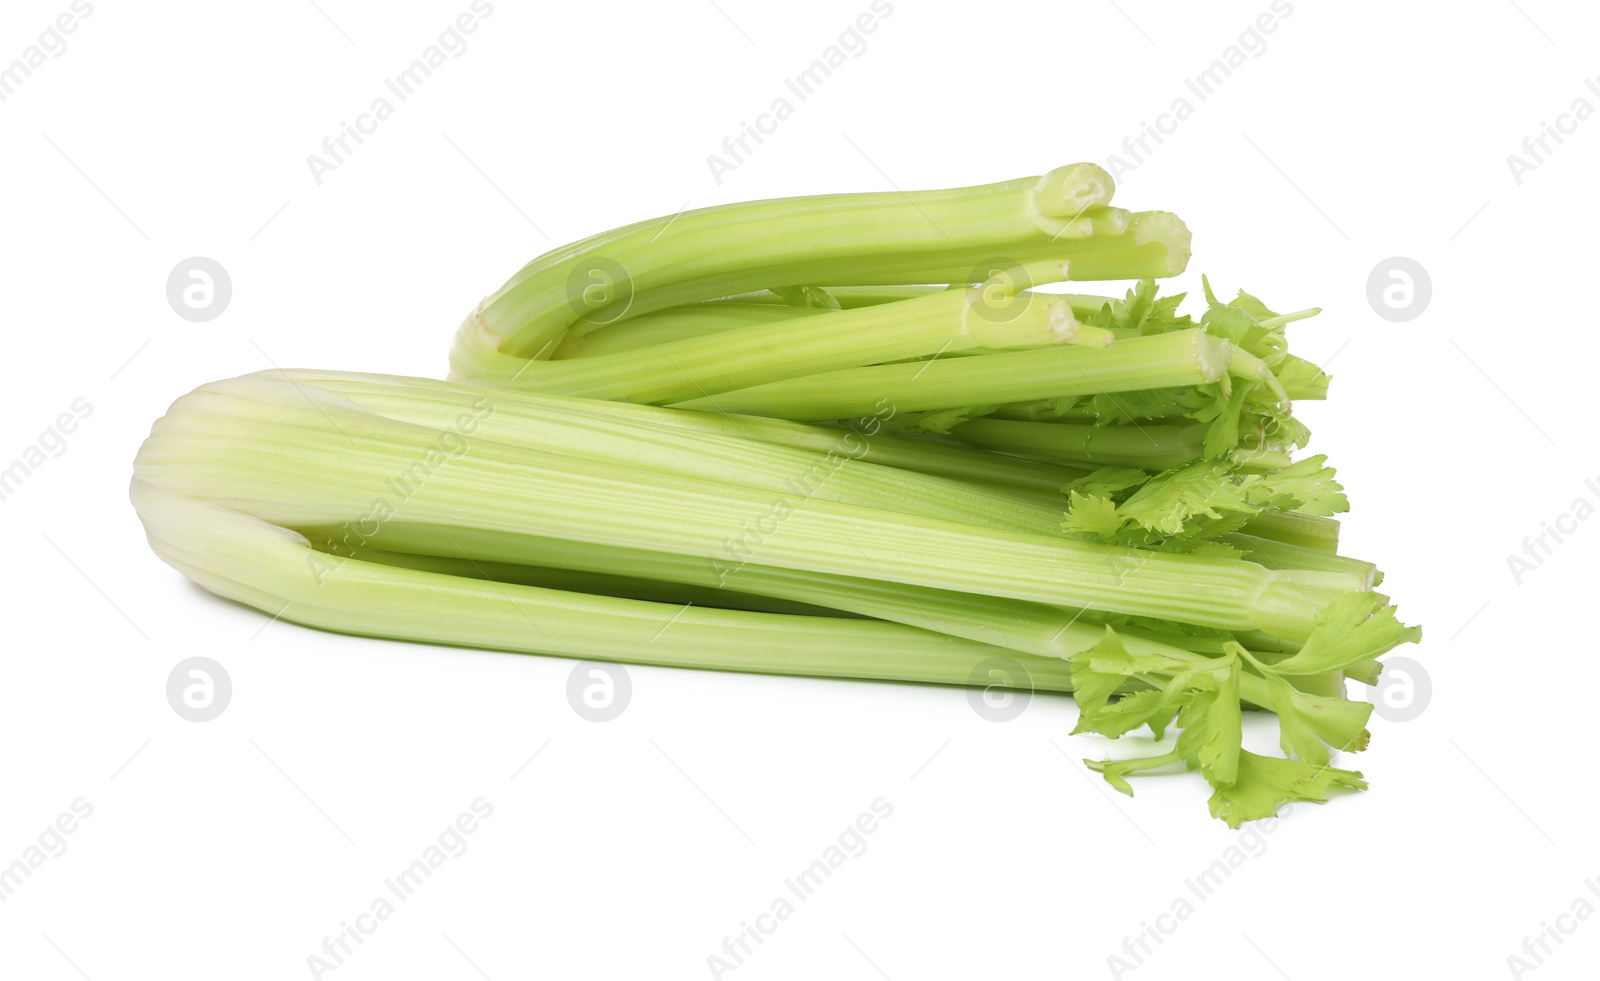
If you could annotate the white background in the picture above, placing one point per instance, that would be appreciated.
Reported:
(632, 848)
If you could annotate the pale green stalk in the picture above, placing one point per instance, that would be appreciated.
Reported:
(275, 571)
(1293, 528)
(1177, 359)
(1148, 446)
(287, 453)
(1025, 628)
(759, 353)
(1281, 555)
(865, 239)
(677, 324)
(645, 438)
(942, 458)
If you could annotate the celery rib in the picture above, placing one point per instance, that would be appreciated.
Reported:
(1172, 360)
(249, 561)
(216, 443)
(869, 240)
(673, 371)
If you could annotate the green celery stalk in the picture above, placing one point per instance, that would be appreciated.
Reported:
(580, 580)
(1177, 359)
(1293, 528)
(1122, 245)
(1281, 555)
(865, 436)
(266, 567)
(759, 353)
(646, 439)
(1029, 629)
(1083, 305)
(677, 324)
(1148, 447)
(271, 447)
(862, 239)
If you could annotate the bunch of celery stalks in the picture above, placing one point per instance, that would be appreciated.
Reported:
(838, 436)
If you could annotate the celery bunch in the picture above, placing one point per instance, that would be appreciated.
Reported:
(846, 436)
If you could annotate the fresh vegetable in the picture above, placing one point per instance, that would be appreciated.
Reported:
(964, 235)
(847, 436)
